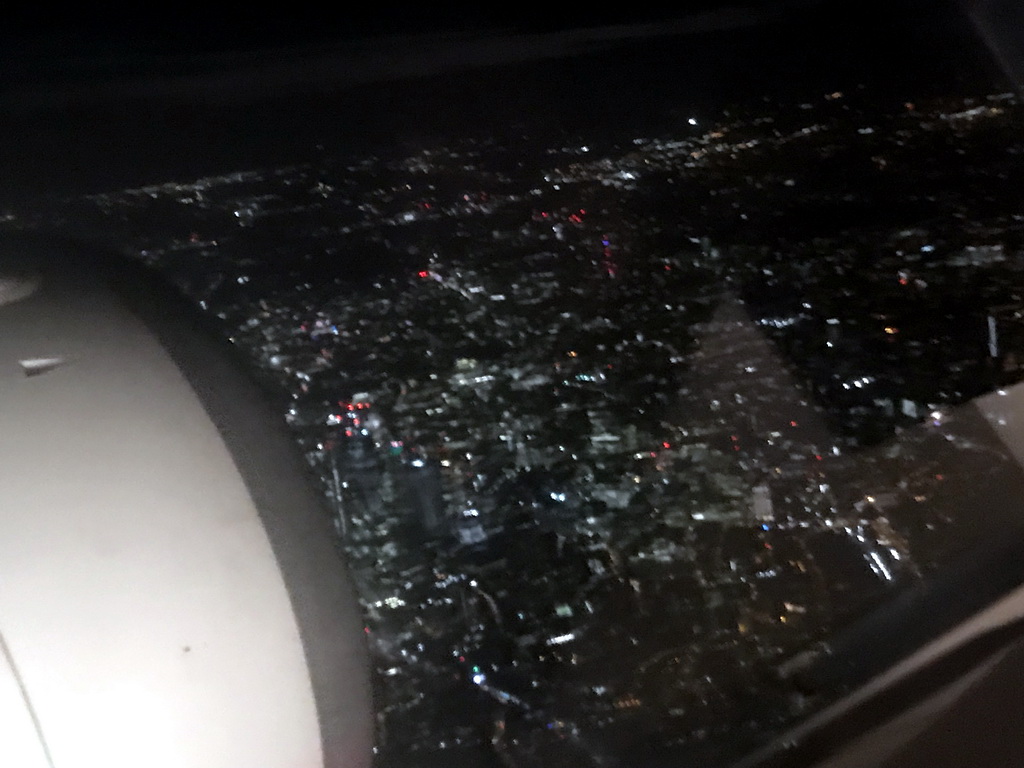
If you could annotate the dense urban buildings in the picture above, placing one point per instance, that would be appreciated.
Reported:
(614, 430)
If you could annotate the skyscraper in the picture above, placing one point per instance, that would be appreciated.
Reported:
(1005, 325)
(761, 504)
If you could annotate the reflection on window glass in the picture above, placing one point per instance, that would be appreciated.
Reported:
(622, 405)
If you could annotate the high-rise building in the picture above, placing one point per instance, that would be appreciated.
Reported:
(424, 494)
(761, 504)
(1005, 325)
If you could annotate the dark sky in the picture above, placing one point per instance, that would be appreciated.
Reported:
(90, 102)
(215, 29)
(77, 43)
(64, 59)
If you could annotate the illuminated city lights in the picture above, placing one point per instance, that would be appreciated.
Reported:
(582, 425)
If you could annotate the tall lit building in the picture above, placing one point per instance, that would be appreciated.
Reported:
(422, 481)
(1006, 338)
(761, 504)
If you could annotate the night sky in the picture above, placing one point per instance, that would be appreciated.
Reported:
(92, 103)
(215, 29)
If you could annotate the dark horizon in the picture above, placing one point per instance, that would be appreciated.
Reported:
(137, 118)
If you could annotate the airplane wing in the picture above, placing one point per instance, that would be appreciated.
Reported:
(169, 591)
